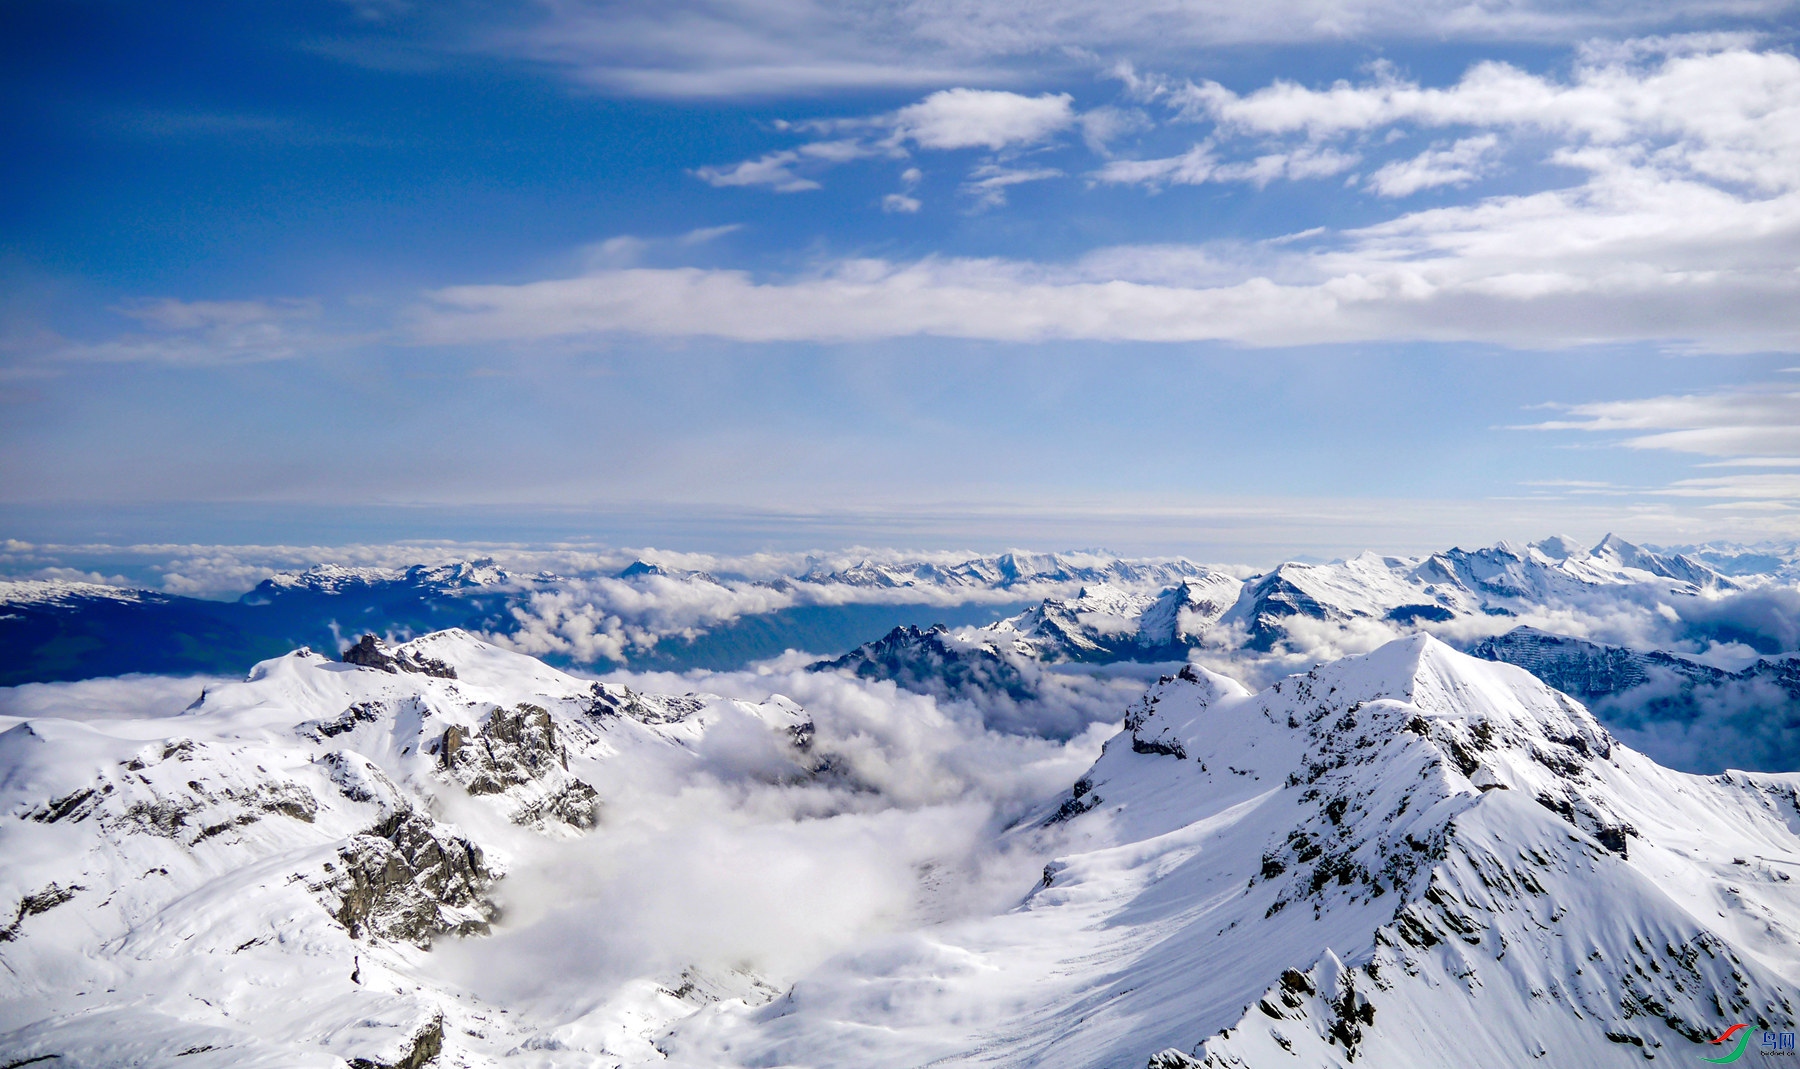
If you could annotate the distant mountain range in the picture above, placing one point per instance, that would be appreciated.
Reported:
(999, 614)
(1672, 703)
(57, 630)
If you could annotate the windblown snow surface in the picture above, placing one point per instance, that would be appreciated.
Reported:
(452, 854)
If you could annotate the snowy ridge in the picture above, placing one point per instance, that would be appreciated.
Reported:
(1504, 579)
(1093, 608)
(1106, 622)
(1406, 858)
(933, 661)
(1008, 571)
(441, 578)
(1588, 670)
(174, 881)
(65, 593)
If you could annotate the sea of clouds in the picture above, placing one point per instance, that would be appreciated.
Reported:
(590, 616)
(721, 865)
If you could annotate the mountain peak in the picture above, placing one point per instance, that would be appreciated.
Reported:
(1561, 547)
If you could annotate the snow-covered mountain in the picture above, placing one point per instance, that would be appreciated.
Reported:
(61, 630)
(1091, 607)
(55, 629)
(1592, 670)
(645, 613)
(1106, 623)
(1408, 857)
(256, 879)
(1411, 857)
(935, 661)
(442, 579)
(1769, 560)
(1286, 613)
(1692, 715)
(1501, 580)
(1008, 571)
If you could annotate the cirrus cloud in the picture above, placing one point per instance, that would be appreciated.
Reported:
(738, 48)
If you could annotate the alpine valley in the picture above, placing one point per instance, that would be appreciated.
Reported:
(1514, 806)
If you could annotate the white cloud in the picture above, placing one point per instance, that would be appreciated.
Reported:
(1761, 424)
(1191, 168)
(171, 314)
(775, 170)
(724, 48)
(1305, 161)
(1102, 125)
(900, 202)
(982, 118)
(950, 119)
(989, 182)
(1753, 428)
(199, 333)
(1731, 116)
(1782, 487)
(1200, 164)
(1459, 164)
(1631, 255)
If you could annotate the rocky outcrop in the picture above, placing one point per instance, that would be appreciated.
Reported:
(932, 661)
(371, 652)
(349, 720)
(425, 1045)
(1268, 602)
(408, 879)
(41, 902)
(616, 699)
(518, 753)
(1588, 670)
(179, 791)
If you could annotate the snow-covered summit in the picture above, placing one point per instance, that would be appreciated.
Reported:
(1008, 571)
(68, 593)
(1411, 857)
(1262, 612)
(334, 579)
(254, 880)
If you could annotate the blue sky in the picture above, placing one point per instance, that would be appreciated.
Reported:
(1181, 276)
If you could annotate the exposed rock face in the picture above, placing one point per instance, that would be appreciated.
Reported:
(616, 699)
(518, 753)
(407, 879)
(425, 1045)
(1183, 612)
(371, 652)
(1587, 670)
(930, 661)
(180, 791)
(41, 902)
(1267, 603)
(277, 837)
(1420, 794)
(349, 720)
(1153, 734)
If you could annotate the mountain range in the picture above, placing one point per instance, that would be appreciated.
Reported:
(1407, 857)
(1723, 636)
